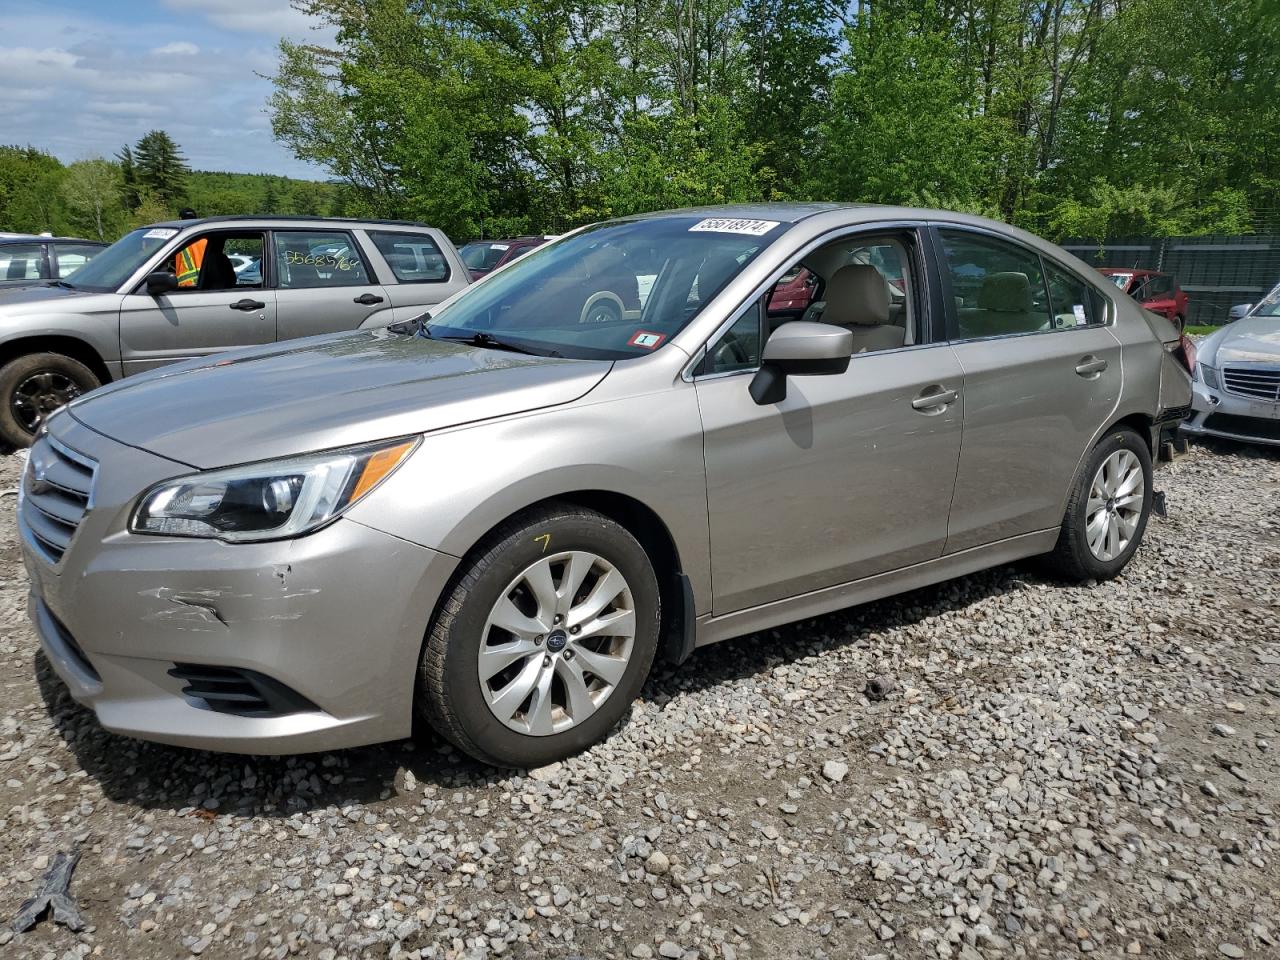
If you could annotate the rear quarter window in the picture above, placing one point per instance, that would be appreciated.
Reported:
(412, 257)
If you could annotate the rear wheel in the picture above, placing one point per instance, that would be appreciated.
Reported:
(543, 641)
(1108, 509)
(33, 386)
(1180, 322)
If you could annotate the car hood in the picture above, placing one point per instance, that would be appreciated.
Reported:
(325, 392)
(1252, 339)
(38, 293)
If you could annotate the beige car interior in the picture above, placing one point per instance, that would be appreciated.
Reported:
(1004, 305)
(859, 297)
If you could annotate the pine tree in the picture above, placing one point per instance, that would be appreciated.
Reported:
(161, 167)
(128, 178)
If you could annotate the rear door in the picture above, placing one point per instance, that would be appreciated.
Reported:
(1042, 376)
(324, 283)
(417, 272)
(212, 311)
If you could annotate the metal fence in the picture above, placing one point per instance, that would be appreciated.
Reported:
(1215, 272)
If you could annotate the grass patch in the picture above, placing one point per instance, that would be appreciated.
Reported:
(1194, 330)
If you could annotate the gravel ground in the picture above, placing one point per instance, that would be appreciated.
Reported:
(1046, 770)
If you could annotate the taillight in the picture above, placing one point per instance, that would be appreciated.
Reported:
(1185, 352)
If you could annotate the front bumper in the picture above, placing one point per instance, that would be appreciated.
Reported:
(336, 617)
(1217, 413)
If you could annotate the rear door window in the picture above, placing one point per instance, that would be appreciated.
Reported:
(412, 257)
(21, 261)
(318, 258)
(999, 287)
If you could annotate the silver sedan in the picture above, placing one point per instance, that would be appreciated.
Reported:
(619, 447)
(1237, 384)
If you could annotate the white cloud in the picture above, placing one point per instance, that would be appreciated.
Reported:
(275, 18)
(79, 86)
(177, 48)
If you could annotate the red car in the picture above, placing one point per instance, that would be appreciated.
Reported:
(485, 256)
(1156, 291)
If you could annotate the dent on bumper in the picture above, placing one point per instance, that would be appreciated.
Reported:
(338, 616)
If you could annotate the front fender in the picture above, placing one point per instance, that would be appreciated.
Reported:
(463, 482)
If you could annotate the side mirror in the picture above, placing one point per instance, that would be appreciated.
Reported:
(161, 282)
(1238, 311)
(800, 348)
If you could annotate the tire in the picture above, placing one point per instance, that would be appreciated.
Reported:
(1079, 554)
(1180, 322)
(32, 386)
(605, 309)
(453, 696)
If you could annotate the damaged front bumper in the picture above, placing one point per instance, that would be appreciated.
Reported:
(282, 647)
(1216, 412)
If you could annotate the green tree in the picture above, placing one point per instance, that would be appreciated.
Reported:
(93, 195)
(160, 166)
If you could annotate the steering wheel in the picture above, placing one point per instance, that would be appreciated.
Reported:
(729, 353)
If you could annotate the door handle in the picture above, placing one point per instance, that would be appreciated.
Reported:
(1090, 366)
(247, 304)
(367, 299)
(934, 399)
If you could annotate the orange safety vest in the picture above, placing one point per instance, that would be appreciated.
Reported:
(187, 263)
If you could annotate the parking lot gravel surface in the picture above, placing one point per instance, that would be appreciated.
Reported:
(1003, 765)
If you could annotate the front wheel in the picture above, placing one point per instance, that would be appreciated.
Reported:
(1108, 509)
(32, 387)
(543, 641)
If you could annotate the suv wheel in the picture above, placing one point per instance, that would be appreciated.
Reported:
(544, 641)
(33, 386)
(1108, 509)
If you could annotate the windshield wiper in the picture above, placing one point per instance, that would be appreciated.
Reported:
(61, 283)
(489, 341)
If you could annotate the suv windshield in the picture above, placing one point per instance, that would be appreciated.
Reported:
(114, 265)
(1269, 306)
(616, 290)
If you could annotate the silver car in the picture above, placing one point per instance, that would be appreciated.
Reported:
(1237, 383)
(173, 291)
(494, 519)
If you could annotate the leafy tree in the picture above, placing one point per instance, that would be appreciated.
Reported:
(92, 192)
(30, 201)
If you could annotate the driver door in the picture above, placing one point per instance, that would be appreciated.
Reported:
(210, 312)
(844, 479)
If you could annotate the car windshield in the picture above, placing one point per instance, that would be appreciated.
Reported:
(482, 255)
(620, 289)
(114, 265)
(1121, 280)
(1268, 306)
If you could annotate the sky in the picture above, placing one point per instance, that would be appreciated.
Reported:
(81, 78)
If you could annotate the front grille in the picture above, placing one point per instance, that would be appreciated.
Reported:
(57, 491)
(1264, 428)
(1257, 383)
(244, 693)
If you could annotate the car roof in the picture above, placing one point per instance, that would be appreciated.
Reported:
(27, 238)
(278, 219)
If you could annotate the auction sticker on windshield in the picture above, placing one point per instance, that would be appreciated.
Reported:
(752, 228)
(646, 339)
(159, 233)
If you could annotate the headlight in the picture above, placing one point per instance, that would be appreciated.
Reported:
(268, 501)
(1209, 376)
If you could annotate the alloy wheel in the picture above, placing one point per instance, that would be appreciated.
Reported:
(39, 395)
(557, 643)
(1116, 498)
